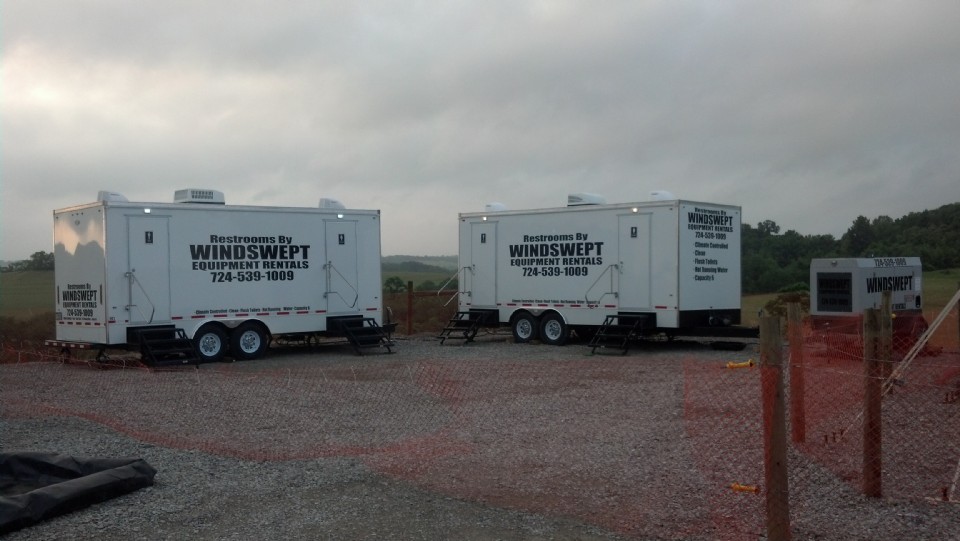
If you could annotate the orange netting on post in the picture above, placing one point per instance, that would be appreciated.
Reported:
(915, 443)
(667, 442)
(624, 443)
(722, 417)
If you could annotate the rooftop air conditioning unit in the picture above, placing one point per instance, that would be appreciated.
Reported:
(196, 195)
(107, 196)
(577, 199)
(331, 203)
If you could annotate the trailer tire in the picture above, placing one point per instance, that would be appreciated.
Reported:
(211, 342)
(248, 341)
(524, 327)
(553, 330)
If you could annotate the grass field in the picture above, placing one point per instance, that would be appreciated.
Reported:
(938, 288)
(26, 294)
(418, 278)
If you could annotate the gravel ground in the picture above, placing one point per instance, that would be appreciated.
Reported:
(519, 456)
(202, 496)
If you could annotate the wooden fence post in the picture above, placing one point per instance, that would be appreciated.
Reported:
(774, 430)
(798, 424)
(872, 396)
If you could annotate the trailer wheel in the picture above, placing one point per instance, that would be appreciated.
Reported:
(211, 342)
(553, 330)
(248, 341)
(524, 327)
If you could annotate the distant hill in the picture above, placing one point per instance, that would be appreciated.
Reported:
(419, 263)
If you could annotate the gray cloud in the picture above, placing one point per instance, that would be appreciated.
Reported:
(808, 114)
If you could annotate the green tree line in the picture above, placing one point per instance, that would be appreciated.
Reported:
(773, 261)
(37, 261)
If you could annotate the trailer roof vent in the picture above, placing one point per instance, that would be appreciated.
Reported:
(331, 203)
(104, 195)
(494, 207)
(581, 198)
(662, 195)
(196, 195)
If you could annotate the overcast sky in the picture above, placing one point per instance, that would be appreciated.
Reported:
(807, 113)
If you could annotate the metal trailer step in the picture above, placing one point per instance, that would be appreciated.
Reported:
(617, 332)
(464, 326)
(363, 333)
(166, 346)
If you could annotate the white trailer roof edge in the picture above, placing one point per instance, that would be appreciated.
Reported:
(208, 207)
(588, 208)
(864, 262)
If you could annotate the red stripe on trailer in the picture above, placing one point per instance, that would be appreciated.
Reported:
(283, 313)
(303, 311)
(660, 307)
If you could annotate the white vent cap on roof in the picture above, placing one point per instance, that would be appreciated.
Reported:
(582, 198)
(331, 203)
(105, 195)
(662, 195)
(494, 207)
(199, 195)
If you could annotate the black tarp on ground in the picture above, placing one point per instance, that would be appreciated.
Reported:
(37, 486)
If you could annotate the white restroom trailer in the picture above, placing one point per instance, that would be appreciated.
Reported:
(842, 288)
(848, 286)
(673, 265)
(229, 277)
